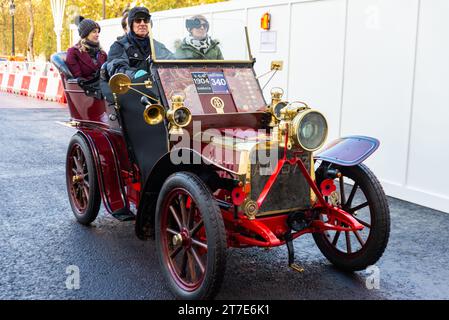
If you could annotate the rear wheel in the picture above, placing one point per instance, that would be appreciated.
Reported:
(361, 195)
(190, 237)
(81, 179)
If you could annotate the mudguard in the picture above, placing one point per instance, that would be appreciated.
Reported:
(348, 151)
(107, 166)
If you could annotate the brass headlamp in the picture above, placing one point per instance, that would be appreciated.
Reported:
(304, 127)
(309, 129)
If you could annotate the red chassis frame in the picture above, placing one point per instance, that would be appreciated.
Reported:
(273, 229)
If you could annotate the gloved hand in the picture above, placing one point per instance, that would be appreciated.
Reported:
(139, 73)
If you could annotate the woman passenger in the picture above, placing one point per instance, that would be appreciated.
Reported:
(86, 57)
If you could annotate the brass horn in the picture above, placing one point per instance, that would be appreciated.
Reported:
(154, 114)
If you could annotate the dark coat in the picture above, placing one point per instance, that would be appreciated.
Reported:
(81, 64)
(126, 57)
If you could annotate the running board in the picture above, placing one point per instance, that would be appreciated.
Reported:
(123, 215)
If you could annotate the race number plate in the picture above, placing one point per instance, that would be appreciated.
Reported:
(210, 83)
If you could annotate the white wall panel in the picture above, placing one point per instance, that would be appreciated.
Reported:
(378, 79)
(316, 57)
(429, 144)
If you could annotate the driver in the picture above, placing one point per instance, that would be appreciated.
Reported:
(130, 54)
(198, 44)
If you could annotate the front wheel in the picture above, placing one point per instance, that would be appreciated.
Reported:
(190, 237)
(361, 195)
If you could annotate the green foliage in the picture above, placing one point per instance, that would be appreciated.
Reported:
(45, 38)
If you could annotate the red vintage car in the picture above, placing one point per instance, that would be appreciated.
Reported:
(194, 154)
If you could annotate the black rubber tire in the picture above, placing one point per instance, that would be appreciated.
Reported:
(90, 212)
(215, 231)
(377, 240)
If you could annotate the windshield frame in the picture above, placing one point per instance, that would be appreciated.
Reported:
(251, 59)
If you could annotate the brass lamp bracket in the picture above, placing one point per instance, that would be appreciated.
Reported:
(277, 65)
(120, 83)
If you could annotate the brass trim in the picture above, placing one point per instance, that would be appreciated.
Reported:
(250, 208)
(178, 104)
(248, 45)
(177, 239)
(119, 83)
(296, 267)
(313, 197)
(276, 98)
(267, 213)
(277, 65)
(145, 95)
(204, 61)
(218, 104)
(70, 124)
(154, 114)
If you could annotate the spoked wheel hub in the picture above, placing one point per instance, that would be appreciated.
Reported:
(81, 180)
(182, 239)
(361, 196)
(79, 189)
(185, 240)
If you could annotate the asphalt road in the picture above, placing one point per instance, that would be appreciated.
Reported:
(39, 237)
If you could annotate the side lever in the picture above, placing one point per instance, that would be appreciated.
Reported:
(291, 252)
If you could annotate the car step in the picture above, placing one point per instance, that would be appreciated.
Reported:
(123, 214)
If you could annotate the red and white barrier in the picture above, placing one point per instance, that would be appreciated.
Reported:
(34, 86)
(4, 81)
(51, 91)
(35, 80)
(17, 83)
(42, 87)
(11, 80)
(25, 85)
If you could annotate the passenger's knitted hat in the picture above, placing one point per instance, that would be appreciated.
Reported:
(86, 26)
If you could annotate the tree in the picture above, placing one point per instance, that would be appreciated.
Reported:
(39, 38)
(30, 42)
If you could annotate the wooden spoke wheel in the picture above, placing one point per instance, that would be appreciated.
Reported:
(360, 194)
(190, 237)
(81, 178)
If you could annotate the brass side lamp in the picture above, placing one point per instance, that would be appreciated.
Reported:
(179, 115)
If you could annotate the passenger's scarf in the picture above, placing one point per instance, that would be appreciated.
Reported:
(92, 48)
(200, 45)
